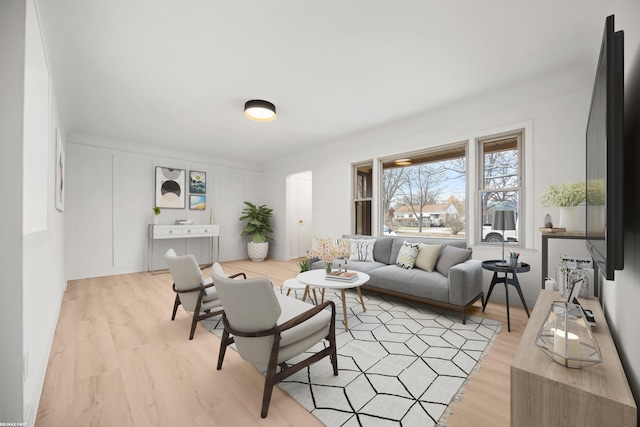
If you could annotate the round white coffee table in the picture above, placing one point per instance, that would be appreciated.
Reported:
(318, 279)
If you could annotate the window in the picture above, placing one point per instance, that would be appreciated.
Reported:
(424, 193)
(500, 188)
(363, 192)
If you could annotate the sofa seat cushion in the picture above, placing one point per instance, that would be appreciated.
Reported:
(414, 282)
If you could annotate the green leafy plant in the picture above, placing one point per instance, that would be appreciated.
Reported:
(258, 227)
(156, 210)
(305, 264)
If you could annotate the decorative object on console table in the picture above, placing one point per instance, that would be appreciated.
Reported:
(573, 269)
(548, 222)
(156, 215)
(566, 197)
(170, 188)
(259, 228)
(566, 337)
(569, 218)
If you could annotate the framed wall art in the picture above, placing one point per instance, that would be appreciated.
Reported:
(197, 202)
(197, 182)
(170, 188)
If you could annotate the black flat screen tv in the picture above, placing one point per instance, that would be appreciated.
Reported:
(605, 151)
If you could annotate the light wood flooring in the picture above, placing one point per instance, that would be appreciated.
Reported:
(118, 360)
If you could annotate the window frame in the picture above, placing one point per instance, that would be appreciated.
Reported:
(443, 152)
(368, 197)
(481, 142)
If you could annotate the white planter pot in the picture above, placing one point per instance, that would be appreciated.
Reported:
(257, 251)
(569, 218)
(155, 218)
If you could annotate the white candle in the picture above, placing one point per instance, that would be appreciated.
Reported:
(566, 344)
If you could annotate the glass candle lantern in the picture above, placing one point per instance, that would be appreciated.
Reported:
(566, 337)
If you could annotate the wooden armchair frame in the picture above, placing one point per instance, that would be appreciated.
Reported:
(272, 377)
(197, 315)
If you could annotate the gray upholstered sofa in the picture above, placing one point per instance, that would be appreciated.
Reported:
(452, 284)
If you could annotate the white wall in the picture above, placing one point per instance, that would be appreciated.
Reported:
(31, 263)
(110, 193)
(556, 114)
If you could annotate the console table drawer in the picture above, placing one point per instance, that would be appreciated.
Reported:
(166, 232)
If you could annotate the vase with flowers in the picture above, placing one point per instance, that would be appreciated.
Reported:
(567, 197)
(330, 249)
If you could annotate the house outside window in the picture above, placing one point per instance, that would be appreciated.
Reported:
(424, 193)
(500, 187)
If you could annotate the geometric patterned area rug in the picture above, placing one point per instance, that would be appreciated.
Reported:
(400, 363)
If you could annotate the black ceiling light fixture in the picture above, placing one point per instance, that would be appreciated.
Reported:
(260, 110)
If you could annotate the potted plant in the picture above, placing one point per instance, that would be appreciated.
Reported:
(259, 228)
(156, 215)
(567, 197)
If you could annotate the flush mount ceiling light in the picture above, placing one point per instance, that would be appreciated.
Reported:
(402, 162)
(259, 110)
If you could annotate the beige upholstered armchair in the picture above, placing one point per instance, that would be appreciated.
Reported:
(269, 329)
(195, 293)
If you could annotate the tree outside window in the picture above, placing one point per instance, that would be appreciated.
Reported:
(424, 193)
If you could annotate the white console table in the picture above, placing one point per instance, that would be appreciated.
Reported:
(160, 232)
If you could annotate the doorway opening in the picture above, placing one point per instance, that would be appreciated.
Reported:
(299, 218)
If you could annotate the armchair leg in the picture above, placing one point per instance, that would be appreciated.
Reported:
(266, 398)
(332, 341)
(224, 343)
(196, 315)
(176, 303)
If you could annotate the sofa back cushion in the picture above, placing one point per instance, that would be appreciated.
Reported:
(381, 250)
(362, 250)
(407, 255)
(427, 256)
(397, 244)
(449, 257)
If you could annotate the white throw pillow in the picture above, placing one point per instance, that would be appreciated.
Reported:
(407, 255)
(427, 256)
(362, 250)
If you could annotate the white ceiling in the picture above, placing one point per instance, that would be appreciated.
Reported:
(176, 73)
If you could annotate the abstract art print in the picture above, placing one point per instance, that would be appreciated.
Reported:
(197, 203)
(59, 172)
(170, 188)
(197, 182)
